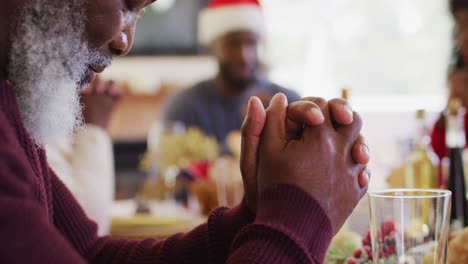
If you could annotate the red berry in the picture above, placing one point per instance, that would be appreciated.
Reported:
(367, 238)
(368, 250)
(366, 242)
(387, 227)
(390, 250)
(368, 235)
(357, 253)
(351, 261)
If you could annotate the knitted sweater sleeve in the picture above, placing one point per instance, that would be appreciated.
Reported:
(208, 243)
(277, 235)
(27, 236)
(290, 227)
(61, 233)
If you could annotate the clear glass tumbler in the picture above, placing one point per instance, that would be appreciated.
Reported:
(409, 226)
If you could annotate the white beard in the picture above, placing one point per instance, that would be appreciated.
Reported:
(48, 61)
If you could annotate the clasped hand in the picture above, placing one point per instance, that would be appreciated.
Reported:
(312, 144)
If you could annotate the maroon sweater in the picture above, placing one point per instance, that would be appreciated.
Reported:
(41, 222)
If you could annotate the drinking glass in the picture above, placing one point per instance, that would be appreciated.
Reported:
(409, 226)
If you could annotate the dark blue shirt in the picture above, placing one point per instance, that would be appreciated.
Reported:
(205, 107)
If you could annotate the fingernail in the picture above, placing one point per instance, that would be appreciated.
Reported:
(367, 175)
(365, 150)
(317, 112)
(279, 98)
(249, 106)
(348, 111)
(364, 181)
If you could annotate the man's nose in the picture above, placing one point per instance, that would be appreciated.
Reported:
(248, 53)
(121, 44)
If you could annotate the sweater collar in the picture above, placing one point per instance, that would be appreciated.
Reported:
(9, 105)
(8, 96)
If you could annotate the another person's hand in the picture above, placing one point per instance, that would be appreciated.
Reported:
(308, 111)
(319, 160)
(99, 100)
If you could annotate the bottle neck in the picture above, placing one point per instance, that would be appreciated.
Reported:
(455, 132)
(421, 138)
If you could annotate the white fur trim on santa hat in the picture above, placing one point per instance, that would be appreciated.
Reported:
(215, 22)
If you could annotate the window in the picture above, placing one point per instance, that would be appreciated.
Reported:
(168, 27)
(391, 54)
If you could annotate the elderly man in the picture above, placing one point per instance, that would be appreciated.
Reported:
(232, 30)
(303, 165)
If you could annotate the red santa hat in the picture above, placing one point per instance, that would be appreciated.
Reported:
(224, 16)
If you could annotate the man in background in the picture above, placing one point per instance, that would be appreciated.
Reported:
(232, 30)
(85, 162)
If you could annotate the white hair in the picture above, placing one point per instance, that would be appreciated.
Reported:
(48, 60)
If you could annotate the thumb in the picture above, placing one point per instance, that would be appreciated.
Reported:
(251, 132)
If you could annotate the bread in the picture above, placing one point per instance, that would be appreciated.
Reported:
(457, 249)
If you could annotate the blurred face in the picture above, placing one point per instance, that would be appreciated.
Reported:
(461, 18)
(236, 53)
(57, 47)
(458, 84)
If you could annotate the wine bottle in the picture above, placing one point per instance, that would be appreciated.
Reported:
(455, 141)
(421, 166)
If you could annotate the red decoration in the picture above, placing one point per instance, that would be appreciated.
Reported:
(199, 170)
(224, 3)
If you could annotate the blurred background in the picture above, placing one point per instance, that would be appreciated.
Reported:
(174, 130)
(392, 55)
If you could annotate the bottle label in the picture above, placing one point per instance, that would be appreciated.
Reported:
(455, 135)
